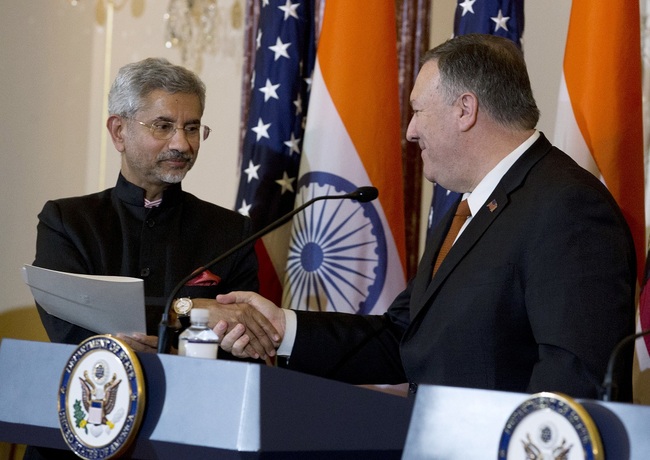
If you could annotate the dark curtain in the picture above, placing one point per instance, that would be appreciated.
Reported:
(412, 41)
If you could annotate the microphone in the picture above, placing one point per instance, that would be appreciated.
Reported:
(361, 194)
(608, 381)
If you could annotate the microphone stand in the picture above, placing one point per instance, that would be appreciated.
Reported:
(362, 195)
(608, 381)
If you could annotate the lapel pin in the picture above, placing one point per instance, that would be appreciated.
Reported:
(492, 205)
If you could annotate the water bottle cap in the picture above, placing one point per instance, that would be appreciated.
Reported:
(199, 315)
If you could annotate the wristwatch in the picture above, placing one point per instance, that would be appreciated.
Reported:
(182, 306)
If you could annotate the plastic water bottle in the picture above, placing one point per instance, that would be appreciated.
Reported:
(198, 340)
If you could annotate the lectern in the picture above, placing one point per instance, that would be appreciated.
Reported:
(463, 423)
(200, 408)
(221, 409)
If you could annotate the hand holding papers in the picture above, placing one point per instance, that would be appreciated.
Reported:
(102, 304)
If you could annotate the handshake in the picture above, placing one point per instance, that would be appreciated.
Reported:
(248, 325)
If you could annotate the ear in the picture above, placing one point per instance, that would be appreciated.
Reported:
(115, 125)
(468, 106)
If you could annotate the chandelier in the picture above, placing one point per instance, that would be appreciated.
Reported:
(197, 27)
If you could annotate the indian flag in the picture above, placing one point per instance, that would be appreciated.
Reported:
(599, 120)
(347, 256)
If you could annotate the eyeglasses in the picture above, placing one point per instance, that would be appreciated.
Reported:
(164, 130)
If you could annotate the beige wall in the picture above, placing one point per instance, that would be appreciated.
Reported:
(51, 93)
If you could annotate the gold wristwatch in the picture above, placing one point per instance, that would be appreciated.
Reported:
(182, 306)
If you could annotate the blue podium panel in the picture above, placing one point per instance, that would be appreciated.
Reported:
(200, 408)
(30, 374)
(462, 423)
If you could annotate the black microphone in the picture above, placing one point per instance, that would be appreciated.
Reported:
(608, 381)
(362, 195)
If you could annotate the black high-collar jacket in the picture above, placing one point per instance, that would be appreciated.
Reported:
(112, 233)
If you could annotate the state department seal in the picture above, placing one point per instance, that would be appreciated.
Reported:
(550, 426)
(101, 398)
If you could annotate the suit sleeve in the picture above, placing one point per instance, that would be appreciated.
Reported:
(581, 308)
(55, 250)
(357, 349)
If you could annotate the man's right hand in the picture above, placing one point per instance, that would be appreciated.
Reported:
(240, 339)
(263, 337)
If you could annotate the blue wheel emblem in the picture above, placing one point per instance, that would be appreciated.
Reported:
(337, 256)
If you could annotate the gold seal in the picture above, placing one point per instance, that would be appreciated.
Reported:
(550, 425)
(101, 398)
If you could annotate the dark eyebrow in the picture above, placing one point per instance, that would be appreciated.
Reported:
(169, 120)
(163, 119)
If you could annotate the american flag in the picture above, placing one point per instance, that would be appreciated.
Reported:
(280, 85)
(504, 18)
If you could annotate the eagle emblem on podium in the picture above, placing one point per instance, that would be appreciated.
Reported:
(101, 398)
(97, 400)
(550, 426)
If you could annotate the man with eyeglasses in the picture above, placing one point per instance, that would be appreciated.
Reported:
(147, 226)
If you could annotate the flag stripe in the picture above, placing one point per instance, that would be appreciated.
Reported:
(602, 71)
(603, 102)
(368, 107)
(344, 255)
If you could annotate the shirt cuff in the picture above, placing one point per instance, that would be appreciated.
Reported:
(291, 324)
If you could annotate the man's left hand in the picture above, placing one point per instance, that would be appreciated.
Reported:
(140, 342)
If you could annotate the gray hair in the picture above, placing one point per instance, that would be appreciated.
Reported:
(492, 68)
(135, 81)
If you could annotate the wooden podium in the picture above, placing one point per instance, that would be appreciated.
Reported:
(200, 408)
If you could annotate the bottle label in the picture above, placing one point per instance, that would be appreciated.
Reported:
(201, 349)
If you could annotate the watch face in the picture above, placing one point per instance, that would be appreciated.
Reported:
(183, 306)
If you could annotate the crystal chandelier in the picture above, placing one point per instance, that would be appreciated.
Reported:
(196, 27)
(106, 8)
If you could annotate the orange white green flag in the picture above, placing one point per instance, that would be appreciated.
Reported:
(347, 256)
(599, 121)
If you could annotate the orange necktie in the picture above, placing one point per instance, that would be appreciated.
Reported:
(461, 215)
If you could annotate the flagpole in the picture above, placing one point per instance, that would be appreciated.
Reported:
(107, 73)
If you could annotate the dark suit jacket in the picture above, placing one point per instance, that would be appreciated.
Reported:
(532, 297)
(112, 233)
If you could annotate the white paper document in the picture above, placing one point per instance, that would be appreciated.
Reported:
(102, 304)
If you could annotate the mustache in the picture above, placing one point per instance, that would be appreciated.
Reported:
(175, 155)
